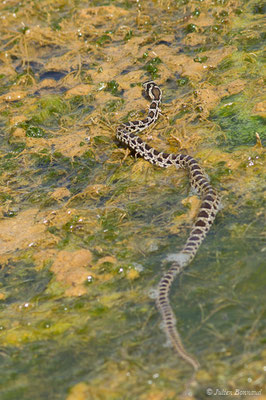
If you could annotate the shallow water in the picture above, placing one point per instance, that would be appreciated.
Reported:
(85, 227)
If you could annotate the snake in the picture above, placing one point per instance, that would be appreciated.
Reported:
(127, 134)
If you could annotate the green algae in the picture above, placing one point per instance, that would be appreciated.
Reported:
(112, 87)
(49, 109)
(35, 132)
(152, 67)
(191, 28)
(67, 185)
(103, 40)
(238, 124)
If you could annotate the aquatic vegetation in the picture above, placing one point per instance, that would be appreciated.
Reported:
(237, 122)
(35, 132)
(112, 87)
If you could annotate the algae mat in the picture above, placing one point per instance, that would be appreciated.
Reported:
(84, 227)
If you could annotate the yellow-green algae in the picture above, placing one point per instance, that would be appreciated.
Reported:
(84, 226)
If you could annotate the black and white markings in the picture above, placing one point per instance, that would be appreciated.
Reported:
(127, 133)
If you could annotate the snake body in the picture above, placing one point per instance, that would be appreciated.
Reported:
(127, 134)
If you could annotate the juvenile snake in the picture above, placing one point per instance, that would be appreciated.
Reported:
(127, 133)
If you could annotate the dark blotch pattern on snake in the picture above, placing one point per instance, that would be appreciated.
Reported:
(127, 133)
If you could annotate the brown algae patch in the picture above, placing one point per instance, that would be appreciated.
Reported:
(22, 232)
(69, 269)
(60, 193)
(260, 109)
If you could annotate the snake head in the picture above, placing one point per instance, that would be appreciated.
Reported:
(152, 90)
